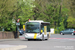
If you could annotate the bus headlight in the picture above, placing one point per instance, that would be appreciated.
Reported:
(38, 34)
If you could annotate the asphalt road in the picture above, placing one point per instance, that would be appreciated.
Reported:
(56, 42)
(62, 36)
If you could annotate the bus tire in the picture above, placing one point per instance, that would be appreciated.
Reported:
(47, 37)
(42, 38)
(29, 39)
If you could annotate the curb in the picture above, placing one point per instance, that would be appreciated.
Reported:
(63, 38)
(9, 39)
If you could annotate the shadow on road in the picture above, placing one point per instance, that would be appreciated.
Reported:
(33, 40)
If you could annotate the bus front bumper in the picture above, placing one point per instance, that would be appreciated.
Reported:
(33, 37)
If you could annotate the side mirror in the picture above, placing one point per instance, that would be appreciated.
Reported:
(41, 31)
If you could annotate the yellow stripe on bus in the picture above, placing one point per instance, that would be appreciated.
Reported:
(35, 35)
(45, 30)
(49, 35)
(24, 27)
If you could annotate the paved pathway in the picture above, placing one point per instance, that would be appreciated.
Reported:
(12, 47)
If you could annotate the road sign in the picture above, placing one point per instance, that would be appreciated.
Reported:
(18, 24)
(29, 20)
(18, 20)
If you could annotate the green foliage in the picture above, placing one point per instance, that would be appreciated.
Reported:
(47, 10)
(26, 10)
(61, 26)
(15, 9)
(58, 29)
(71, 22)
(50, 12)
(6, 9)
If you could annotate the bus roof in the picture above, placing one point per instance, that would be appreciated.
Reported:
(36, 21)
(40, 21)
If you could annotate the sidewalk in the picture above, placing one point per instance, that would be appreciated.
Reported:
(12, 47)
(20, 38)
(9, 39)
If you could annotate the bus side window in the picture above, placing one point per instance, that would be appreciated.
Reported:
(42, 27)
(48, 28)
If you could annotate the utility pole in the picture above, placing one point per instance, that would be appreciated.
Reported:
(17, 28)
(65, 22)
(55, 24)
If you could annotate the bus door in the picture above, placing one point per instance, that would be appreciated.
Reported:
(45, 30)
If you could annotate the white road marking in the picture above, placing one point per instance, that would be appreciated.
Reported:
(11, 47)
(65, 47)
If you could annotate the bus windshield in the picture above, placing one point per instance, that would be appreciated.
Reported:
(32, 27)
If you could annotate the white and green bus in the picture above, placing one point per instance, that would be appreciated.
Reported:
(37, 29)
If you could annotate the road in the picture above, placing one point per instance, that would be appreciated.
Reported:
(55, 42)
(62, 36)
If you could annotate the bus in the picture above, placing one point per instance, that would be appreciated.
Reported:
(37, 29)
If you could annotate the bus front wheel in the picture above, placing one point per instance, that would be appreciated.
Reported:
(42, 39)
(29, 39)
(47, 37)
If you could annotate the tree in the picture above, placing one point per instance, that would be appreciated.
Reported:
(15, 9)
(47, 10)
(26, 7)
(71, 13)
(6, 9)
